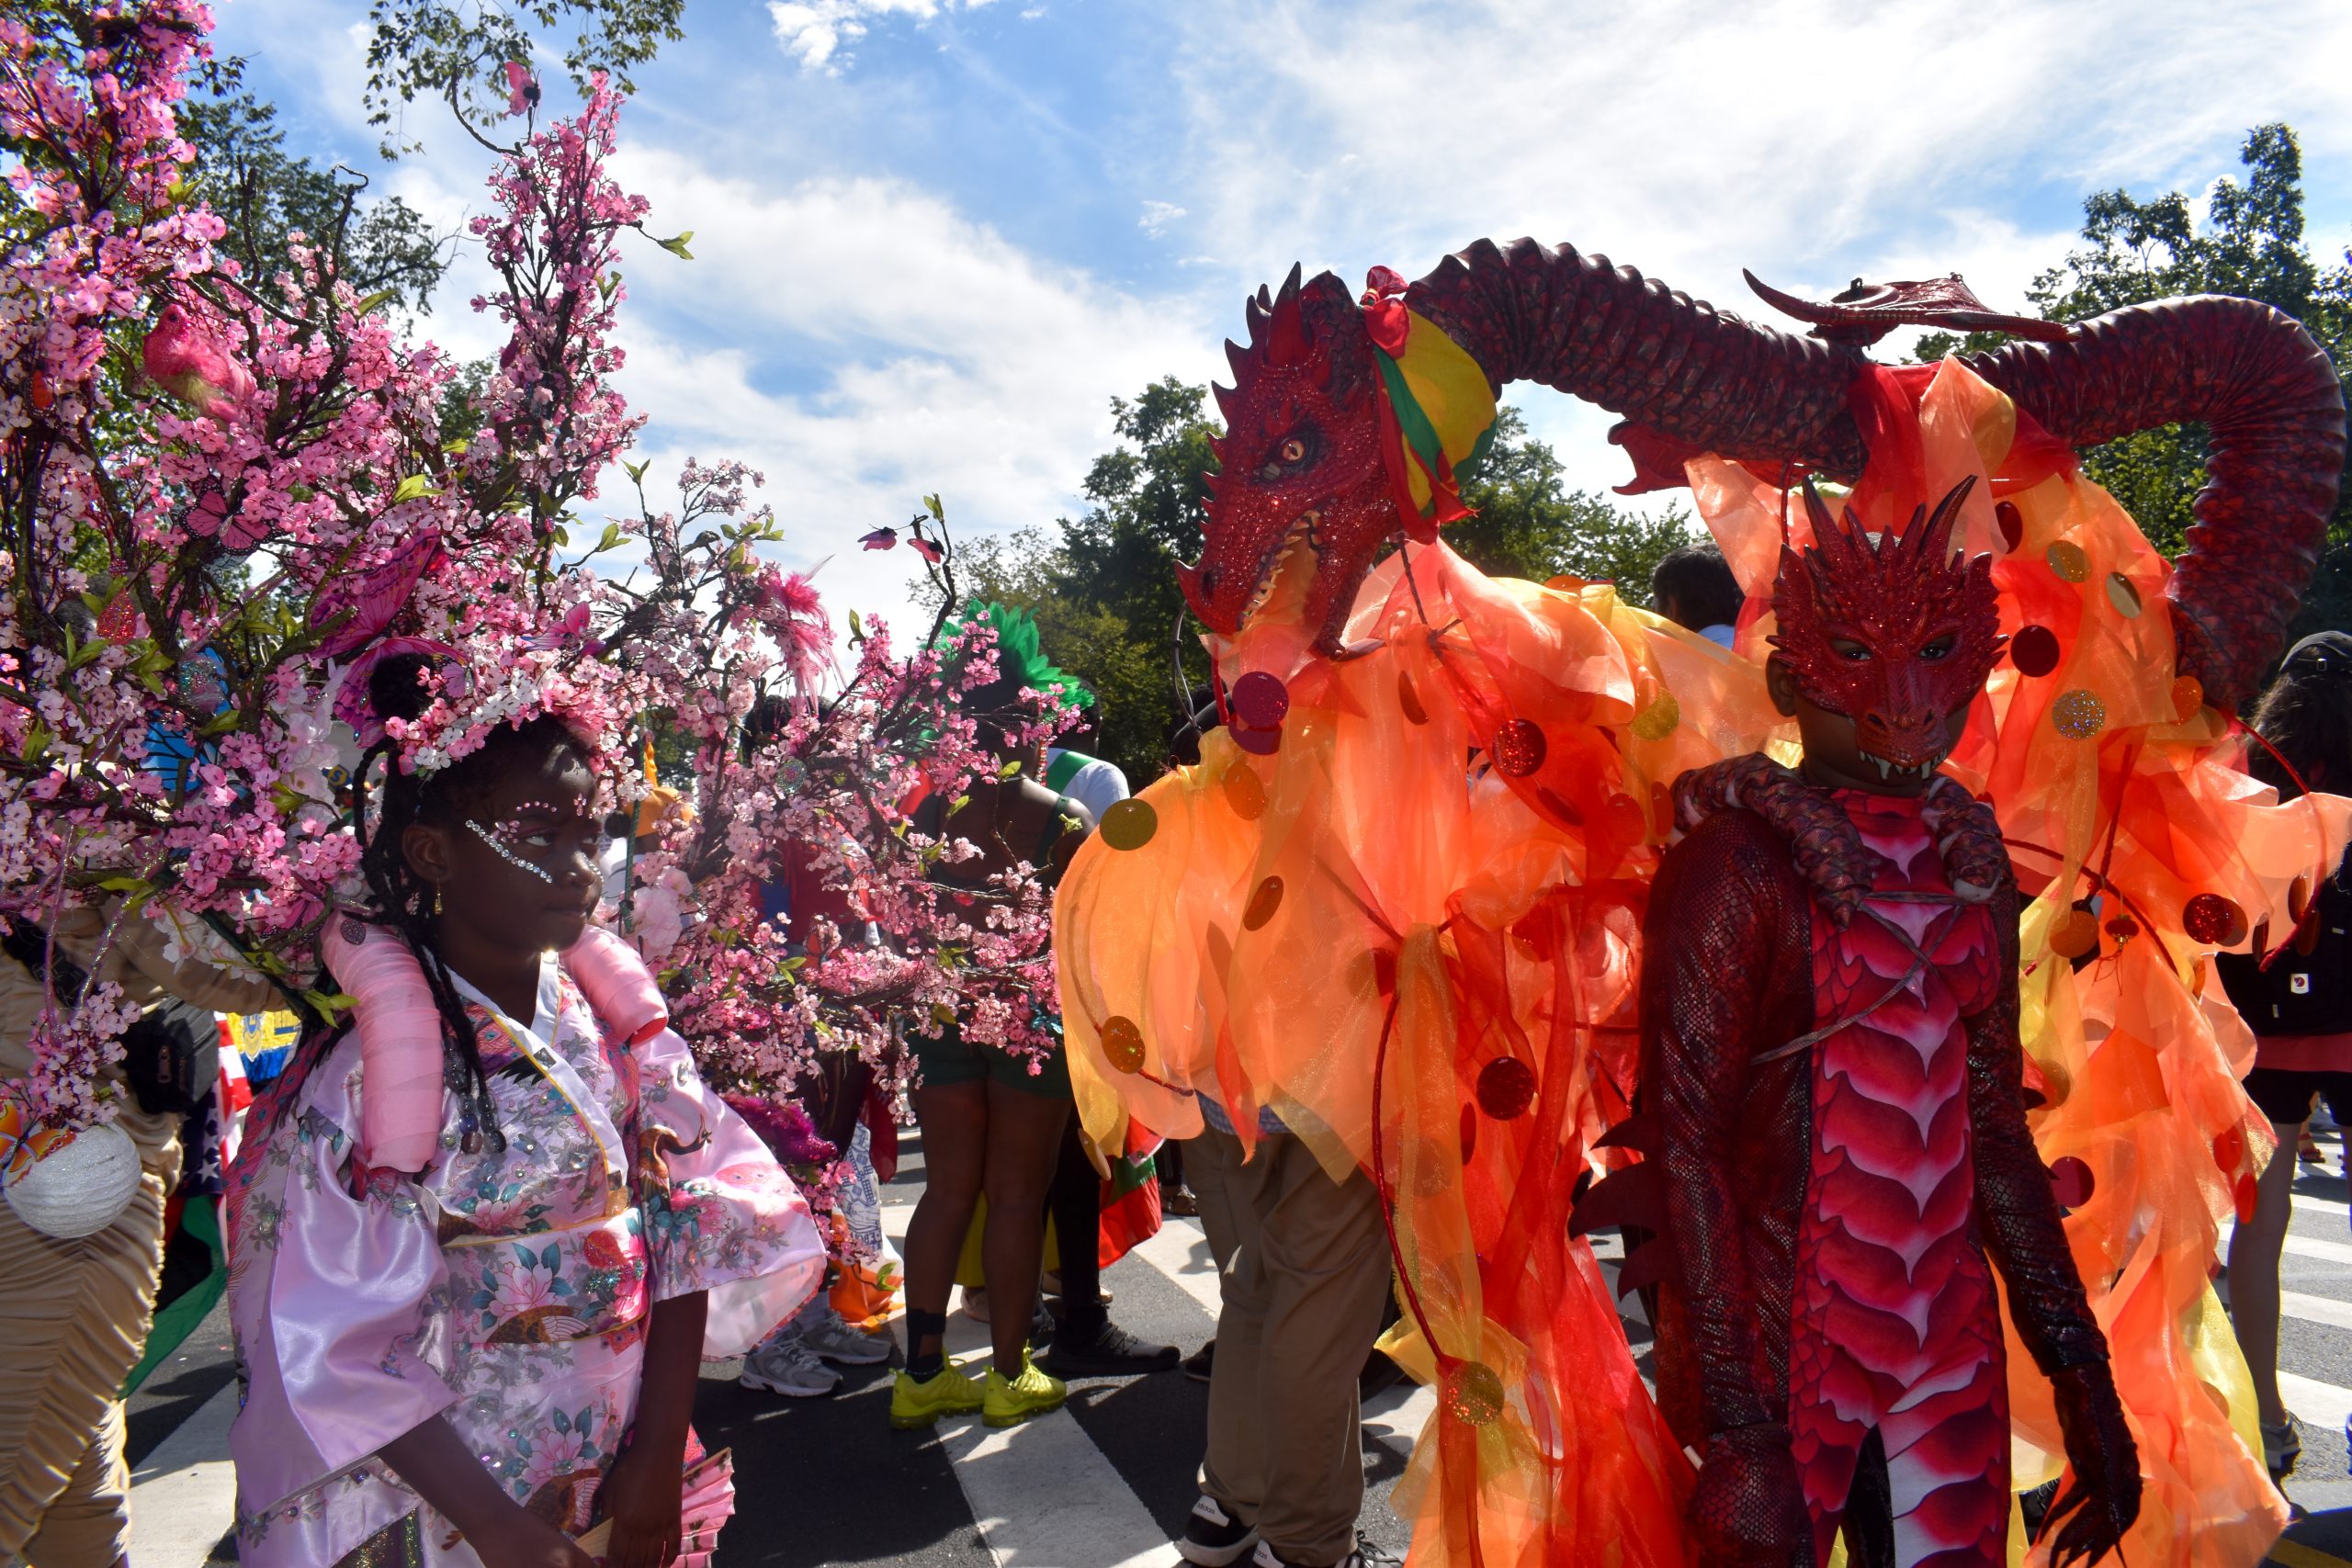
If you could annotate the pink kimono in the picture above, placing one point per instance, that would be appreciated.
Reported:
(507, 1293)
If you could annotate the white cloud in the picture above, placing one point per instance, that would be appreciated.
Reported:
(1157, 216)
(863, 343)
(1811, 140)
(817, 32)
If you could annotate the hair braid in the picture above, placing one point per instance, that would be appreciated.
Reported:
(405, 903)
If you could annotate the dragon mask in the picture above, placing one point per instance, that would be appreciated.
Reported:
(1891, 631)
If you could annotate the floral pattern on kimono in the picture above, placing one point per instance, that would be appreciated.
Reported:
(505, 1290)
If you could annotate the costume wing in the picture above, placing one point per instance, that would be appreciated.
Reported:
(1407, 930)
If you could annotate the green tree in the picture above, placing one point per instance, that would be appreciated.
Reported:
(265, 194)
(1107, 606)
(458, 48)
(2251, 243)
(1528, 523)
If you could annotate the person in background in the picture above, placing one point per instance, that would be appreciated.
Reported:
(1693, 588)
(1092, 782)
(798, 1359)
(990, 1127)
(74, 1314)
(2307, 716)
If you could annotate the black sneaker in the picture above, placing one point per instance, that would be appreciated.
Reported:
(1198, 1365)
(1109, 1352)
(1212, 1538)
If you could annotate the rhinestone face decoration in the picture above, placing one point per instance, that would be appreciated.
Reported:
(500, 848)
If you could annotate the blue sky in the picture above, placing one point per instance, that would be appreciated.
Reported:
(934, 238)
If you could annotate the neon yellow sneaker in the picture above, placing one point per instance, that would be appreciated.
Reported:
(1008, 1404)
(946, 1392)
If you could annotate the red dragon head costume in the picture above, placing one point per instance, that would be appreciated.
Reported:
(1309, 467)
(1891, 631)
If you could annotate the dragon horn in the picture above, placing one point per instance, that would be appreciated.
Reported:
(2274, 412)
(1829, 538)
(1287, 334)
(1934, 542)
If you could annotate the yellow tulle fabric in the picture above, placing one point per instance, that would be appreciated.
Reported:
(1443, 867)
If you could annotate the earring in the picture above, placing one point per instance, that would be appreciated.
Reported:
(437, 900)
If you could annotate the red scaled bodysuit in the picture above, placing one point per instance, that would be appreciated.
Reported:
(1831, 1207)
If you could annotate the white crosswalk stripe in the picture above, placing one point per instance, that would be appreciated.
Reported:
(1044, 1494)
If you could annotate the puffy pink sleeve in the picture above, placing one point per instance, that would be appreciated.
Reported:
(333, 1298)
(721, 1215)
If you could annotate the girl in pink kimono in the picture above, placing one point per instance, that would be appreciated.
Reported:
(484, 1361)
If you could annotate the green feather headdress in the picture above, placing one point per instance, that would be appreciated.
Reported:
(1019, 661)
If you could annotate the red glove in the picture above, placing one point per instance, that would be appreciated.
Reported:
(1747, 1510)
(2102, 1497)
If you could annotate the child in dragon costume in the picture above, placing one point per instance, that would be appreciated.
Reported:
(1435, 968)
(1832, 1083)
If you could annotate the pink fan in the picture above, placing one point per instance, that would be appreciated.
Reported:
(375, 598)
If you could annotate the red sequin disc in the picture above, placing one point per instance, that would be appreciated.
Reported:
(2211, 919)
(1261, 700)
(1506, 1088)
(2034, 650)
(1520, 747)
(2071, 1182)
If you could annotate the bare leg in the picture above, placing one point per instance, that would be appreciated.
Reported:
(955, 1123)
(1025, 1136)
(2255, 1248)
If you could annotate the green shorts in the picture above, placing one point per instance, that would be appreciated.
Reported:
(952, 1059)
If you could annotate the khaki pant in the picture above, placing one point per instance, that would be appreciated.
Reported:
(74, 1317)
(1303, 1288)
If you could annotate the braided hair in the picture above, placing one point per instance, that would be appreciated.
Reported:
(407, 902)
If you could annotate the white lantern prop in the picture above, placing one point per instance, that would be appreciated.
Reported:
(80, 1188)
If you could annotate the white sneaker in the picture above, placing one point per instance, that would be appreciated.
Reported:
(831, 1339)
(790, 1368)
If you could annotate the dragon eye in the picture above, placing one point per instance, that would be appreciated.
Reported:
(1294, 450)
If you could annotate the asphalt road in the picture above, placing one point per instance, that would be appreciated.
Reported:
(1107, 1484)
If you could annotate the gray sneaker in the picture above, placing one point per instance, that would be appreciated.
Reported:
(788, 1366)
(833, 1340)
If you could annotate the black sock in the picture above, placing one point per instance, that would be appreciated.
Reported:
(924, 1365)
(1083, 1321)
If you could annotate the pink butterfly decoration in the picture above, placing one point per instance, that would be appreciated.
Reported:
(210, 517)
(375, 598)
(572, 630)
(522, 88)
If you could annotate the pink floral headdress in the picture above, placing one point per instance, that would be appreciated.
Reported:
(464, 706)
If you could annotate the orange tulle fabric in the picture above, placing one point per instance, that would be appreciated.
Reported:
(1426, 969)
(1442, 871)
